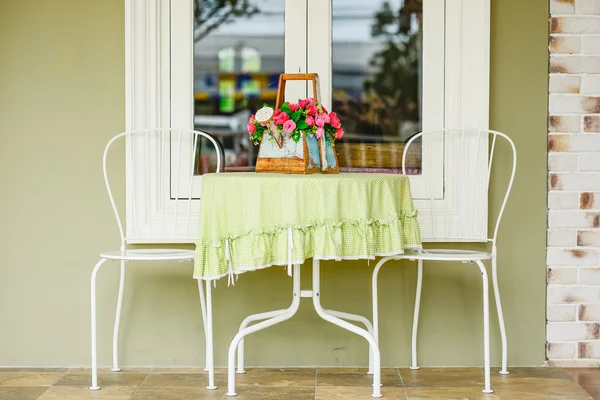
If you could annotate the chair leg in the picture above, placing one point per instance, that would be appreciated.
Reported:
(93, 317)
(486, 327)
(209, 338)
(203, 310)
(504, 370)
(375, 299)
(415, 327)
(115, 367)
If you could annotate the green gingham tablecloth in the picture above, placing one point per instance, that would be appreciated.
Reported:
(250, 221)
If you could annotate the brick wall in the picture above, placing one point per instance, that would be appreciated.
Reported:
(573, 257)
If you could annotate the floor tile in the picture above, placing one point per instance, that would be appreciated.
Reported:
(24, 369)
(177, 393)
(357, 393)
(442, 377)
(184, 370)
(531, 372)
(250, 369)
(299, 384)
(274, 393)
(21, 393)
(384, 371)
(183, 379)
(355, 380)
(584, 376)
(277, 379)
(593, 391)
(29, 378)
(135, 370)
(84, 379)
(453, 393)
(539, 388)
(83, 393)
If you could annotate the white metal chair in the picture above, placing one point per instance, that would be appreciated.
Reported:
(469, 186)
(166, 199)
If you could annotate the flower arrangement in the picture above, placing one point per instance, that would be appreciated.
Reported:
(293, 118)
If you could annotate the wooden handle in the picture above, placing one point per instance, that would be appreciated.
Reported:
(295, 77)
(298, 77)
(280, 92)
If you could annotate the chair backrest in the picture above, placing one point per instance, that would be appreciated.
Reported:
(161, 181)
(462, 214)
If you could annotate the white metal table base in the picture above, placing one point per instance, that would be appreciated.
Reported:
(277, 316)
(271, 314)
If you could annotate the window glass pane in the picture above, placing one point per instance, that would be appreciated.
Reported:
(377, 79)
(238, 56)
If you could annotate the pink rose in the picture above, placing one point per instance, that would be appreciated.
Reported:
(310, 121)
(251, 128)
(319, 133)
(339, 133)
(335, 121)
(303, 103)
(289, 126)
(319, 120)
(311, 109)
(324, 110)
(281, 118)
(326, 118)
(293, 106)
(311, 99)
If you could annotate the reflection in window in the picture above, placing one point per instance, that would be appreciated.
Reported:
(250, 60)
(377, 79)
(237, 62)
(226, 96)
(227, 60)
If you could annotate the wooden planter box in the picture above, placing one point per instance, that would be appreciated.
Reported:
(309, 155)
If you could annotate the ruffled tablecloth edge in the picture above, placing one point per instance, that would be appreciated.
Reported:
(407, 220)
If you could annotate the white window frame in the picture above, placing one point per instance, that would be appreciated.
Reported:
(159, 75)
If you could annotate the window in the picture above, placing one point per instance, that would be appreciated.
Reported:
(440, 77)
(248, 38)
(377, 80)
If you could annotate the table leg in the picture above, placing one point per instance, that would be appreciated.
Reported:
(244, 324)
(277, 316)
(316, 295)
(289, 313)
(356, 318)
(271, 314)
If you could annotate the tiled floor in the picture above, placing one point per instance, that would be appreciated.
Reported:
(299, 384)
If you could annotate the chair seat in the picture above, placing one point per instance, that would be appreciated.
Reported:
(149, 254)
(447, 254)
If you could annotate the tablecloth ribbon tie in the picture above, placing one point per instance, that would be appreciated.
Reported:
(230, 280)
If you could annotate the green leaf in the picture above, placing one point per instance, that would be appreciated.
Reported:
(296, 116)
(302, 125)
(286, 108)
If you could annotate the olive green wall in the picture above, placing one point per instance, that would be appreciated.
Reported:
(62, 98)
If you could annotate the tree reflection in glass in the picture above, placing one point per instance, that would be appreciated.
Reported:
(377, 75)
